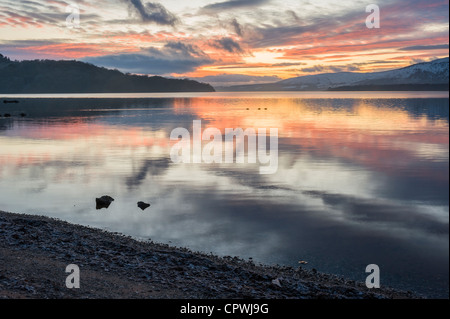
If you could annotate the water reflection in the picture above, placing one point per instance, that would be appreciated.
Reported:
(359, 181)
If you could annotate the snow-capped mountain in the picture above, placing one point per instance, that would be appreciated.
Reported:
(427, 74)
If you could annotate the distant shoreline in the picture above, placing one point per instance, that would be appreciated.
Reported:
(269, 87)
(232, 94)
(35, 251)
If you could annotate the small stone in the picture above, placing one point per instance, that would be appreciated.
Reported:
(103, 202)
(143, 205)
(277, 282)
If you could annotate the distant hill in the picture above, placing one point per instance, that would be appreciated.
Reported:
(48, 76)
(425, 76)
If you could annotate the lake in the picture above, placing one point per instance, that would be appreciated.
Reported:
(362, 177)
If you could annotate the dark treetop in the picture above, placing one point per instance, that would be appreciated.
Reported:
(48, 76)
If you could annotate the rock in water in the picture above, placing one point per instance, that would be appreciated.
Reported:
(103, 202)
(143, 205)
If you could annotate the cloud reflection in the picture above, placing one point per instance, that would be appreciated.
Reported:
(358, 179)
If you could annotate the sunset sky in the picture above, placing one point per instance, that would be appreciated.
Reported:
(228, 42)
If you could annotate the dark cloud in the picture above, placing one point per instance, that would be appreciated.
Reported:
(174, 57)
(380, 62)
(288, 64)
(184, 49)
(232, 4)
(35, 14)
(237, 79)
(260, 65)
(237, 27)
(277, 35)
(399, 15)
(425, 47)
(153, 12)
(293, 15)
(229, 45)
(330, 68)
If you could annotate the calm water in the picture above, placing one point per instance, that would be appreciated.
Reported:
(362, 177)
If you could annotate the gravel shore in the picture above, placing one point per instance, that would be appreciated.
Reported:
(35, 250)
